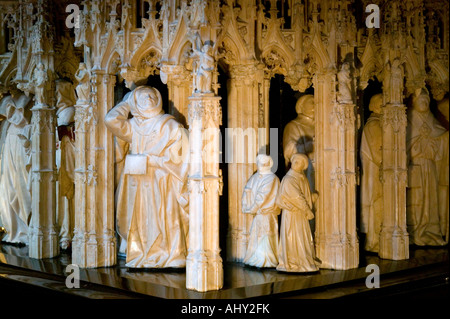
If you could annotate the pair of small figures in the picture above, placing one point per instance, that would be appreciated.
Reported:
(264, 196)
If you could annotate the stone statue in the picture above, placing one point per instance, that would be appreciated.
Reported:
(298, 135)
(65, 113)
(371, 187)
(296, 248)
(258, 199)
(205, 67)
(83, 88)
(15, 196)
(40, 81)
(344, 80)
(150, 199)
(427, 144)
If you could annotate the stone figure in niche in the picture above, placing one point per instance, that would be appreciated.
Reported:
(296, 247)
(298, 135)
(65, 113)
(15, 196)
(151, 201)
(40, 79)
(371, 187)
(345, 80)
(258, 199)
(205, 67)
(427, 146)
(83, 88)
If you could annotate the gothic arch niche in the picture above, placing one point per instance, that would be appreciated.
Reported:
(374, 86)
(281, 94)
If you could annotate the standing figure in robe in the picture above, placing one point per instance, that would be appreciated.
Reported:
(15, 196)
(258, 199)
(371, 186)
(66, 133)
(205, 66)
(83, 77)
(296, 247)
(298, 135)
(345, 80)
(427, 142)
(151, 202)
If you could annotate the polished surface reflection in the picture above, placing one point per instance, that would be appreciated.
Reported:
(239, 281)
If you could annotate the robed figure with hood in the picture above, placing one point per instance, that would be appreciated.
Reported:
(151, 196)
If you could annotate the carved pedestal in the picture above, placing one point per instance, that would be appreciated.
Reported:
(204, 270)
(43, 233)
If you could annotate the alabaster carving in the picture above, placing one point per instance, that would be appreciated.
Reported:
(307, 42)
(298, 135)
(83, 88)
(427, 146)
(296, 247)
(40, 79)
(151, 215)
(258, 199)
(204, 67)
(65, 113)
(344, 80)
(371, 186)
(15, 196)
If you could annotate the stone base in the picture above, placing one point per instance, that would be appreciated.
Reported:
(394, 244)
(93, 253)
(43, 243)
(338, 254)
(204, 271)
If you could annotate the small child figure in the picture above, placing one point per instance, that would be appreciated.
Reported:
(259, 199)
(296, 247)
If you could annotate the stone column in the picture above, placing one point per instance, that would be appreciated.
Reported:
(204, 270)
(43, 232)
(94, 242)
(335, 169)
(43, 235)
(394, 240)
(246, 114)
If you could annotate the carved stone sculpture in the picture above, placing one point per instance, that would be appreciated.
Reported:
(296, 248)
(205, 67)
(151, 215)
(82, 76)
(65, 95)
(344, 80)
(39, 80)
(298, 135)
(258, 199)
(427, 144)
(15, 197)
(371, 186)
